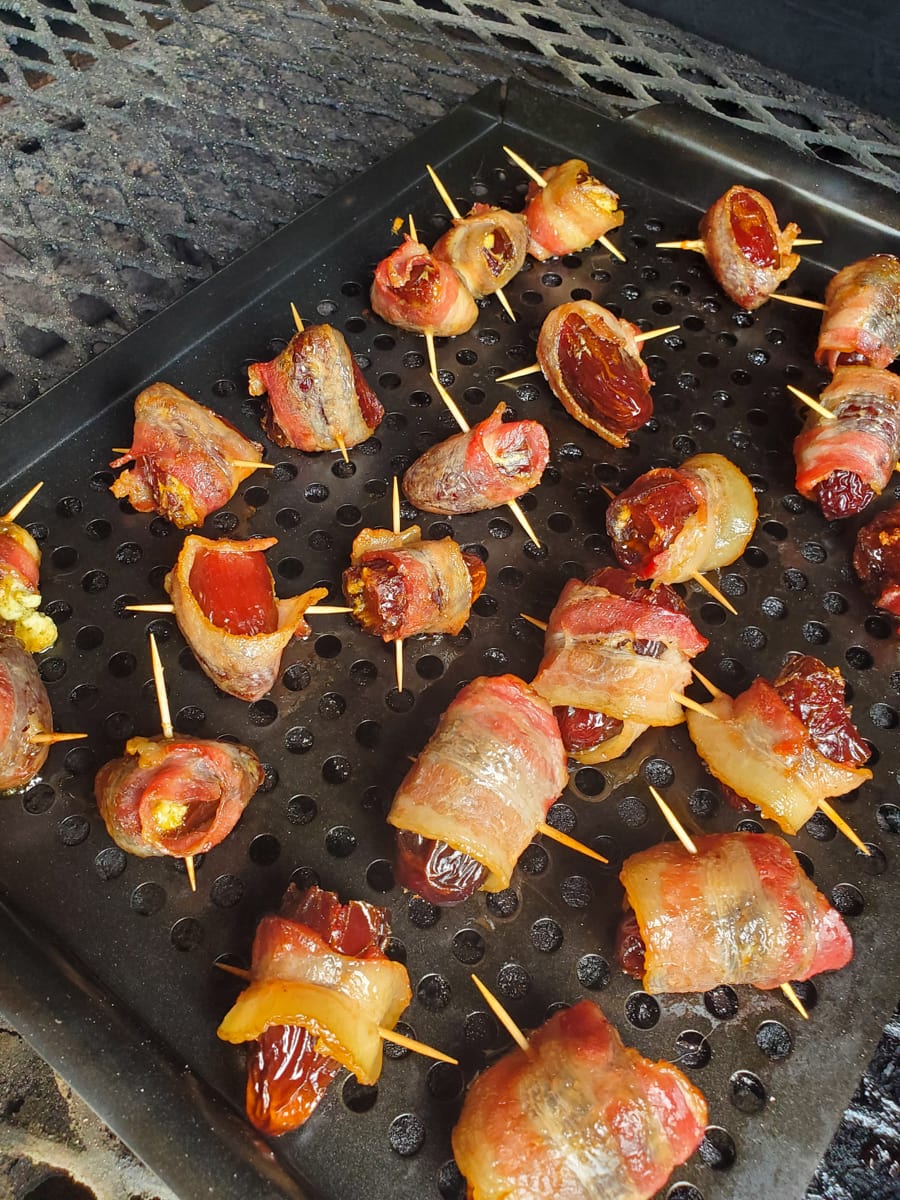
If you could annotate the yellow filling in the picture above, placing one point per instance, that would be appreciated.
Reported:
(34, 630)
(168, 815)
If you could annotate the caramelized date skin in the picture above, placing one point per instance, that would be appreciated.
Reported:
(815, 694)
(434, 870)
(581, 729)
(843, 494)
(630, 948)
(286, 1078)
(382, 604)
(605, 382)
(753, 231)
(876, 559)
(656, 510)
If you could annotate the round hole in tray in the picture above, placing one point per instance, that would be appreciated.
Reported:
(406, 1135)
(642, 1010)
(593, 972)
(717, 1150)
(692, 1050)
(546, 935)
(468, 946)
(722, 1002)
(359, 1097)
(774, 1040)
(433, 992)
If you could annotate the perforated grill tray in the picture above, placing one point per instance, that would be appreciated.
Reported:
(107, 963)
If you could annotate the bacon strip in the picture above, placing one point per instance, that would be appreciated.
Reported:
(399, 585)
(876, 559)
(175, 796)
(20, 560)
(590, 660)
(486, 248)
(182, 454)
(419, 292)
(24, 711)
(491, 464)
(579, 1117)
(674, 523)
(302, 976)
(317, 396)
(861, 323)
(740, 910)
(570, 213)
(762, 749)
(487, 776)
(861, 441)
(226, 608)
(746, 250)
(594, 368)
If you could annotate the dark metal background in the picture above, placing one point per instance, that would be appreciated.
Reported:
(335, 733)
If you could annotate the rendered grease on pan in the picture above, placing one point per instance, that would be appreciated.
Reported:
(335, 734)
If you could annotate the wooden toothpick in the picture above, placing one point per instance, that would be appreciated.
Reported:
(687, 702)
(571, 843)
(165, 719)
(534, 621)
(298, 320)
(51, 739)
(316, 610)
(710, 687)
(847, 830)
(798, 301)
(535, 368)
(23, 503)
(700, 246)
(674, 824)
(795, 1000)
(655, 333)
(503, 1016)
(713, 591)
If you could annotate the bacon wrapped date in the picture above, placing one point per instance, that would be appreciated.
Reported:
(593, 366)
(320, 989)
(570, 213)
(399, 585)
(183, 456)
(421, 293)
(24, 711)
(579, 1117)
(225, 605)
(617, 652)
(478, 790)
(876, 559)
(861, 322)
(786, 745)
(843, 463)
(175, 796)
(486, 248)
(20, 561)
(746, 250)
(675, 522)
(740, 910)
(492, 463)
(317, 396)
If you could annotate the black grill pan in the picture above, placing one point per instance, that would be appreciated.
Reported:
(107, 964)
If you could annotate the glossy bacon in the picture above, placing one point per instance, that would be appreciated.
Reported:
(227, 610)
(740, 910)
(320, 965)
(419, 292)
(784, 747)
(592, 651)
(487, 776)
(673, 523)
(844, 462)
(24, 711)
(746, 250)
(593, 366)
(876, 559)
(182, 454)
(317, 396)
(286, 1076)
(491, 464)
(570, 213)
(486, 247)
(861, 323)
(579, 1117)
(399, 585)
(175, 796)
(20, 560)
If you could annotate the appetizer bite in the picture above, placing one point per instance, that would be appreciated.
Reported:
(492, 463)
(175, 796)
(486, 248)
(477, 792)
(570, 212)
(417, 291)
(745, 248)
(594, 367)
(24, 713)
(845, 461)
(876, 559)
(579, 1115)
(224, 598)
(317, 398)
(674, 523)
(321, 993)
(861, 324)
(616, 658)
(740, 910)
(188, 461)
(398, 585)
(20, 597)
(785, 746)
